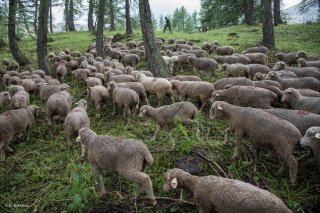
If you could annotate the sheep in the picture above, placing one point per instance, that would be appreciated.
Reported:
(170, 61)
(205, 64)
(299, 71)
(303, 63)
(114, 53)
(126, 98)
(164, 116)
(134, 73)
(4, 98)
(308, 92)
(181, 41)
(14, 80)
(81, 74)
(12, 73)
(289, 58)
(29, 85)
(5, 79)
(53, 82)
(308, 57)
(118, 78)
(99, 95)
(170, 41)
(223, 50)
(297, 83)
(257, 58)
(246, 96)
(45, 90)
(236, 70)
(206, 46)
(100, 76)
(260, 49)
(180, 47)
(296, 101)
(125, 156)
(5, 63)
(197, 53)
(14, 122)
(72, 65)
(184, 59)
(138, 88)
(281, 135)
(160, 86)
(15, 65)
(186, 78)
(20, 100)
(39, 72)
(232, 59)
(255, 68)
(130, 59)
(199, 90)
(58, 105)
(284, 74)
(218, 194)
(13, 89)
(92, 81)
(311, 139)
(221, 83)
(76, 120)
(303, 120)
(132, 44)
(24, 75)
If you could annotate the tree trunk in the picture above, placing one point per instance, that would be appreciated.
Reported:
(111, 10)
(268, 32)
(100, 25)
(248, 10)
(35, 19)
(128, 20)
(90, 16)
(13, 45)
(153, 55)
(50, 16)
(66, 14)
(71, 16)
(277, 12)
(42, 35)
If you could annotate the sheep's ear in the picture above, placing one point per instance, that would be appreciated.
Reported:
(219, 107)
(77, 103)
(317, 136)
(144, 111)
(217, 95)
(78, 139)
(272, 74)
(174, 183)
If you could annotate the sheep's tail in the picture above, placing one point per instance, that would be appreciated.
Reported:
(148, 160)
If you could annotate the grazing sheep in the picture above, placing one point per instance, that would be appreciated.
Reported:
(15, 65)
(5, 63)
(236, 70)
(14, 122)
(58, 105)
(164, 116)
(186, 78)
(183, 59)
(199, 90)
(281, 135)
(232, 59)
(5, 79)
(255, 68)
(246, 96)
(92, 81)
(72, 65)
(132, 44)
(260, 49)
(134, 73)
(46, 90)
(312, 139)
(14, 80)
(118, 78)
(76, 120)
(20, 100)
(4, 98)
(170, 41)
(218, 194)
(127, 157)
(221, 83)
(284, 74)
(138, 88)
(81, 74)
(12, 73)
(308, 92)
(289, 58)
(296, 101)
(29, 85)
(299, 71)
(114, 54)
(303, 120)
(206, 46)
(223, 50)
(205, 64)
(126, 98)
(39, 72)
(257, 58)
(24, 75)
(303, 63)
(160, 86)
(13, 89)
(198, 53)
(130, 59)
(99, 95)
(308, 57)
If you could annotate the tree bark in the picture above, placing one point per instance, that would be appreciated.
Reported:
(277, 12)
(100, 25)
(111, 10)
(42, 35)
(268, 31)
(71, 16)
(13, 45)
(128, 20)
(66, 14)
(50, 17)
(248, 10)
(35, 20)
(90, 16)
(153, 55)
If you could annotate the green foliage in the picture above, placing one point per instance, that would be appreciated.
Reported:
(182, 21)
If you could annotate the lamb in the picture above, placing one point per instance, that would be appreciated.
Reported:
(46, 90)
(20, 100)
(232, 59)
(164, 116)
(4, 98)
(118, 78)
(134, 73)
(14, 122)
(236, 70)
(218, 194)
(257, 58)
(199, 90)
(29, 85)
(58, 105)
(81, 74)
(221, 83)
(303, 120)
(289, 58)
(76, 120)
(312, 139)
(303, 63)
(126, 98)
(282, 136)
(205, 64)
(298, 102)
(170, 61)
(246, 96)
(186, 78)
(125, 156)
(138, 88)
(99, 95)
(260, 49)
(130, 59)
(92, 81)
(13, 89)
(224, 50)
(160, 86)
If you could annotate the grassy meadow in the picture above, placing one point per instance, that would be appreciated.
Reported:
(42, 176)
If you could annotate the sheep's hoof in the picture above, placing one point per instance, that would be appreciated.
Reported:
(154, 202)
(9, 149)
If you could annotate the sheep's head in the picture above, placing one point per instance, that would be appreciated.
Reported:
(289, 94)
(112, 85)
(64, 87)
(216, 96)
(144, 111)
(279, 56)
(5, 96)
(301, 54)
(311, 138)
(82, 103)
(272, 76)
(258, 76)
(217, 110)
(172, 177)
(140, 76)
(224, 67)
(280, 65)
(129, 70)
(301, 62)
(191, 59)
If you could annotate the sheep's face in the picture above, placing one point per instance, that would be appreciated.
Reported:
(170, 180)
(301, 62)
(143, 111)
(288, 95)
(301, 54)
(272, 76)
(216, 111)
(279, 56)
(5, 96)
(279, 66)
(216, 96)
(311, 138)
(258, 76)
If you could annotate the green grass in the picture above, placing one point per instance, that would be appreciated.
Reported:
(42, 176)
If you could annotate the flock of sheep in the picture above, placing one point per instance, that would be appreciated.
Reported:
(273, 104)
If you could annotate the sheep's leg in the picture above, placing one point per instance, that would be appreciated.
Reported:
(2, 154)
(83, 150)
(9, 149)
(160, 101)
(202, 105)
(281, 169)
(293, 167)
(228, 131)
(156, 133)
(69, 139)
(113, 108)
(50, 121)
(255, 160)
(95, 169)
(146, 100)
(238, 137)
